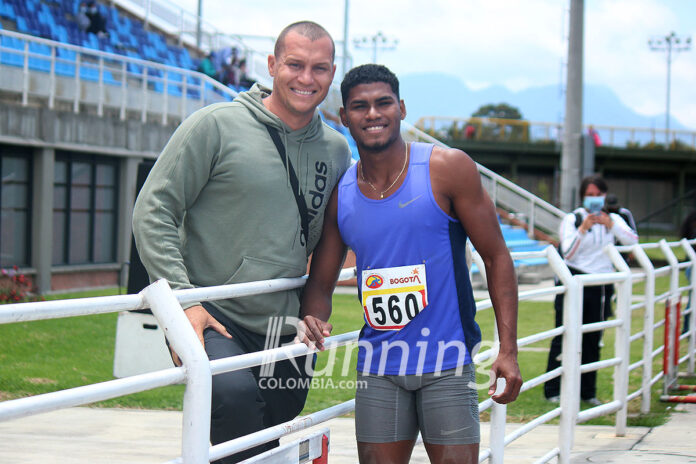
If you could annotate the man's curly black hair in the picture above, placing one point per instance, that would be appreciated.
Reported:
(367, 74)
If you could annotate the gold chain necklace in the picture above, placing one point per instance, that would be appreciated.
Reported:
(381, 194)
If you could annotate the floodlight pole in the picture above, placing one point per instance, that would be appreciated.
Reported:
(377, 41)
(669, 43)
(344, 62)
(572, 126)
(199, 19)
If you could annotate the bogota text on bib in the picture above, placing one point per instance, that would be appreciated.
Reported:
(393, 296)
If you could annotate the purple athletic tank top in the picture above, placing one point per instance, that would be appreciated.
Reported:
(407, 249)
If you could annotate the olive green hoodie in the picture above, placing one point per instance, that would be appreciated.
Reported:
(217, 207)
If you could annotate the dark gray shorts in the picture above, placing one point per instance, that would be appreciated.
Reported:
(392, 408)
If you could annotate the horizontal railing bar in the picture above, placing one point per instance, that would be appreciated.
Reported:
(273, 433)
(484, 304)
(636, 365)
(531, 425)
(22, 407)
(537, 337)
(527, 294)
(637, 336)
(592, 413)
(483, 356)
(659, 350)
(485, 404)
(602, 278)
(484, 455)
(662, 271)
(32, 311)
(257, 358)
(543, 378)
(528, 254)
(634, 395)
(548, 456)
(636, 306)
(595, 366)
(656, 379)
(595, 326)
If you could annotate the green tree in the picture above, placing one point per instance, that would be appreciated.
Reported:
(502, 131)
(501, 110)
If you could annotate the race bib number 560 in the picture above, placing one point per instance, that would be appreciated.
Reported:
(393, 296)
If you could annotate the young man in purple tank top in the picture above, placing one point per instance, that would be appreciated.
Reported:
(406, 210)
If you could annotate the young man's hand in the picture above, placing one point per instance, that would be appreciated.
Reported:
(506, 367)
(311, 331)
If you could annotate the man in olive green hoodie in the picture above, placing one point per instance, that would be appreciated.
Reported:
(219, 208)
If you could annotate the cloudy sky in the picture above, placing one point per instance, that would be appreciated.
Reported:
(517, 44)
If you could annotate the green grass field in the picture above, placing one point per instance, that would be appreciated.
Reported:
(44, 356)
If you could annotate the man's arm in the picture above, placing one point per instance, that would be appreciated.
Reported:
(457, 186)
(180, 173)
(326, 265)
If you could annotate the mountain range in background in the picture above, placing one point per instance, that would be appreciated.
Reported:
(437, 94)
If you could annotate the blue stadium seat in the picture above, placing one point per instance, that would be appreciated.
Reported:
(8, 56)
(7, 11)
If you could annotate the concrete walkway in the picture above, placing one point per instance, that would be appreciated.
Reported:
(115, 436)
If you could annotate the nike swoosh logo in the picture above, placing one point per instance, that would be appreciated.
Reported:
(405, 204)
(450, 432)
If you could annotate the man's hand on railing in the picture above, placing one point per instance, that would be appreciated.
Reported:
(506, 367)
(311, 331)
(200, 319)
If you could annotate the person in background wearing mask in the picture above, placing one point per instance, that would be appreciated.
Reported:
(583, 235)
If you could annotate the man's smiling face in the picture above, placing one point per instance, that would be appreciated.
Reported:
(302, 77)
(373, 113)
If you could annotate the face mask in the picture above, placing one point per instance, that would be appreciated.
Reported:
(593, 204)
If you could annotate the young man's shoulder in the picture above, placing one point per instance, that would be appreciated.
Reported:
(451, 162)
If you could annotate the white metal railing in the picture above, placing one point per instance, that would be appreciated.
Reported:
(517, 130)
(504, 193)
(77, 76)
(197, 373)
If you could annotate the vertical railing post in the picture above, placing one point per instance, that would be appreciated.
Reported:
(201, 93)
(146, 21)
(25, 75)
(674, 297)
(648, 326)
(52, 80)
(124, 91)
(165, 109)
(622, 342)
(570, 378)
(100, 104)
(532, 218)
(197, 396)
(498, 414)
(76, 101)
(143, 112)
(184, 95)
(691, 255)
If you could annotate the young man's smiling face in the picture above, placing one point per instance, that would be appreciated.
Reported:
(373, 113)
(302, 77)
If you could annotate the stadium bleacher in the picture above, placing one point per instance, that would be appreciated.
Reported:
(57, 20)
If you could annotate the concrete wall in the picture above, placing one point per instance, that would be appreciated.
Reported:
(46, 131)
